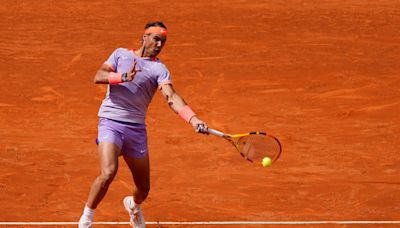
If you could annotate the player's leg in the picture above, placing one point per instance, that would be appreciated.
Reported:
(140, 169)
(108, 154)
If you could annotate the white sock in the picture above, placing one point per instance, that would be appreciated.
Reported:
(134, 205)
(88, 212)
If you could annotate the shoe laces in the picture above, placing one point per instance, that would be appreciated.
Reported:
(137, 215)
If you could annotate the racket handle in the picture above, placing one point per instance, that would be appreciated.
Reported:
(215, 132)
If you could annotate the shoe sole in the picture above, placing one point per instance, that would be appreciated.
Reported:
(89, 226)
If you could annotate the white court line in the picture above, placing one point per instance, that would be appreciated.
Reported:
(211, 223)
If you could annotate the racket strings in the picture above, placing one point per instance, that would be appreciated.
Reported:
(256, 147)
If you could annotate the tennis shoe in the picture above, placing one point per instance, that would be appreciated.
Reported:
(85, 222)
(135, 213)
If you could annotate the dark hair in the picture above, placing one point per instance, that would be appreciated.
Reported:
(155, 24)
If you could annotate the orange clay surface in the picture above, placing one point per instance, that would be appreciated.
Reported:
(323, 76)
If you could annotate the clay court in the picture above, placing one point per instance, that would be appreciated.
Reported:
(323, 76)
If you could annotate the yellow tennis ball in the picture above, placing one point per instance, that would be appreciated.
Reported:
(266, 162)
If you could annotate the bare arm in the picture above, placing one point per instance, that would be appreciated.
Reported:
(176, 103)
(102, 74)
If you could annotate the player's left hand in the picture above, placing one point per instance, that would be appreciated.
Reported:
(129, 76)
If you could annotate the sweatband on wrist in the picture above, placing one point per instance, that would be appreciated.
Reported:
(124, 77)
(114, 78)
(186, 113)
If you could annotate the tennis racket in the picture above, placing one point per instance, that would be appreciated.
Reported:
(253, 146)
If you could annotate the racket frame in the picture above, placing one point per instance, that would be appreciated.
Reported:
(234, 139)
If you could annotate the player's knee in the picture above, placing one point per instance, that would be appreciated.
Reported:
(107, 176)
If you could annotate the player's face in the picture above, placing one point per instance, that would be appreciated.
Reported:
(153, 44)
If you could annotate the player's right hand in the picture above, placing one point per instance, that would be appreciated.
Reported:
(198, 125)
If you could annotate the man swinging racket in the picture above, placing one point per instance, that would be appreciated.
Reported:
(133, 77)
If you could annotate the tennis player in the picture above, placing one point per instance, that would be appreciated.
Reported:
(133, 77)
